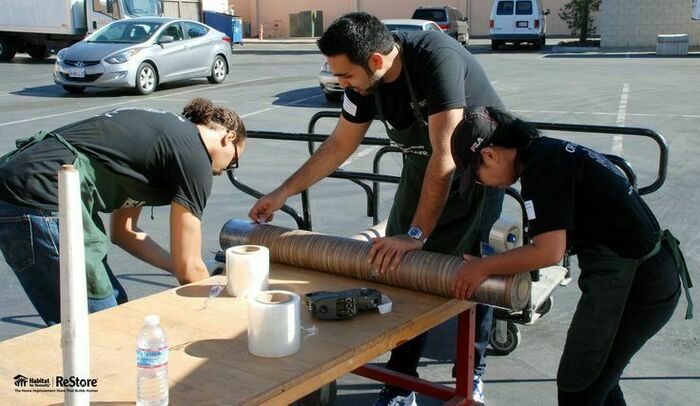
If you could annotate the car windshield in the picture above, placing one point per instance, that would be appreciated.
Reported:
(404, 27)
(430, 15)
(125, 32)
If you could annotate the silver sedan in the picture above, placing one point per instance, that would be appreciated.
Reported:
(142, 53)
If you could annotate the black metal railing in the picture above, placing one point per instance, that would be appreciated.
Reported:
(376, 177)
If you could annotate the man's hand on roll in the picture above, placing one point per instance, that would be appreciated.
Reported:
(387, 252)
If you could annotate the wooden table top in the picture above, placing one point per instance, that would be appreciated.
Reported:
(209, 360)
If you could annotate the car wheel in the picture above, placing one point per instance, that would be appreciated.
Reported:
(38, 51)
(537, 44)
(146, 79)
(218, 70)
(495, 45)
(74, 89)
(334, 96)
(7, 49)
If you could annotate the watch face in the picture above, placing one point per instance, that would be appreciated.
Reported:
(415, 233)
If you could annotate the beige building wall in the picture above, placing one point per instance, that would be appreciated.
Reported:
(274, 14)
(636, 23)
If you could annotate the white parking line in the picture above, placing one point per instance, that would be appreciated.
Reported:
(257, 112)
(252, 113)
(187, 100)
(127, 102)
(621, 113)
(603, 113)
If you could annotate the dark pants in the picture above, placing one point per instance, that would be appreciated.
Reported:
(405, 357)
(652, 300)
(29, 240)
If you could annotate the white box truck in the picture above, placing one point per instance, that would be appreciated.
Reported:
(39, 27)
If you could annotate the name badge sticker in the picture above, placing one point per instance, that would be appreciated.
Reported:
(349, 107)
(530, 210)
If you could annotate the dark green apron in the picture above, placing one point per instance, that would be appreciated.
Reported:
(458, 226)
(605, 283)
(101, 190)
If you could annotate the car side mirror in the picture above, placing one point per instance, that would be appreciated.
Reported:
(546, 11)
(465, 18)
(166, 39)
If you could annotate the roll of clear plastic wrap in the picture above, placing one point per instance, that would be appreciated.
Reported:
(274, 326)
(505, 235)
(247, 269)
(419, 270)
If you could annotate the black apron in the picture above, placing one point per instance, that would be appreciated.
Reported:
(605, 282)
(457, 228)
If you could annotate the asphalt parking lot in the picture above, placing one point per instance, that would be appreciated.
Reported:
(275, 87)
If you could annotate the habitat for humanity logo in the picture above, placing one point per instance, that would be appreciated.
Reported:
(58, 384)
(21, 380)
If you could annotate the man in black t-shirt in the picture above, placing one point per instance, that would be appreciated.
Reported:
(576, 199)
(418, 84)
(127, 158)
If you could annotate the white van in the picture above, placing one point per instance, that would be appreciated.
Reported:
(517, 21)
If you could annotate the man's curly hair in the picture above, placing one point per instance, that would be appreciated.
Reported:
(203, 111)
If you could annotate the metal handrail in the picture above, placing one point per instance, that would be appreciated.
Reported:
(304, 221)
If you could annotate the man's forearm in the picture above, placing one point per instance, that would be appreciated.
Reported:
(434, 193)
(143, 247)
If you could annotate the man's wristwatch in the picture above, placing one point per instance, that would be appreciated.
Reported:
(416, 233)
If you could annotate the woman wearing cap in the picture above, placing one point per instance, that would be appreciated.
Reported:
(127, 158)
(578, 200)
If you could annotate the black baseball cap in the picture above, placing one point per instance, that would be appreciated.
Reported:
(472, 134)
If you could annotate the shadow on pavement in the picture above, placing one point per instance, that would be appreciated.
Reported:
(57, 91)
(307, 97)
(18, 320)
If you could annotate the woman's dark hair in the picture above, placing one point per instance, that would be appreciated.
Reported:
(202, 111)
(511, 132)
(356, 35)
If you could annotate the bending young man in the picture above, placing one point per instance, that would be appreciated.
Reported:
(127, 158)
(576, 199)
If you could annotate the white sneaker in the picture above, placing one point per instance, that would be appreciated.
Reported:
(387, 398)
(478, 389)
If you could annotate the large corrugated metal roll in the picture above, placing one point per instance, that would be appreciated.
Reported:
(420, 270)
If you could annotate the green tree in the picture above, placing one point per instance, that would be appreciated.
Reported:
(578, 15)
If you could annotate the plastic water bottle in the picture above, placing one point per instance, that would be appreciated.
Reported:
(152, 364)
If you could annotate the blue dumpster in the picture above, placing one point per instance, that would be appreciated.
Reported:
(226, 23)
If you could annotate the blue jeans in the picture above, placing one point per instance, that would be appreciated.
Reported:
(29, 241)
(493, 205)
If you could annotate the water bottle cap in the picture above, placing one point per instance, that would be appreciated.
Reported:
(152, 319)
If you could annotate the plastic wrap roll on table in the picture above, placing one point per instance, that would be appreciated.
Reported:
(420, 270)
(505, 235)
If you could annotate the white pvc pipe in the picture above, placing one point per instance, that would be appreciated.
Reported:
(75, 338)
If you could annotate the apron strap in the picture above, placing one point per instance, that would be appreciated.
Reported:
(682, 267)
(415, 107)
(23, 143)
